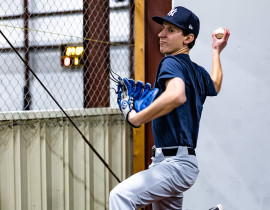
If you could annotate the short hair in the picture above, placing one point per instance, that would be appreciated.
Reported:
(191, 44)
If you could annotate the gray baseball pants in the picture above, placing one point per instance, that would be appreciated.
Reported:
(162, 184)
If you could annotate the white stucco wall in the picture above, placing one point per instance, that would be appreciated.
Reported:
(233, 146)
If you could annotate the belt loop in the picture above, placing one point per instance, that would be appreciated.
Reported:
(153, 151)
(191, 151)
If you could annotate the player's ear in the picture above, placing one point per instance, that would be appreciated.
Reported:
(188, 39)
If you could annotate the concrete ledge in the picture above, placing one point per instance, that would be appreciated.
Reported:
(28, 115)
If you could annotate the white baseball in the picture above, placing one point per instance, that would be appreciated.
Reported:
(220, 207)
(219, 32)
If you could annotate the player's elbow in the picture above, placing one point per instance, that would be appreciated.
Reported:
(217, 86)
(180, 99)
(217, 80)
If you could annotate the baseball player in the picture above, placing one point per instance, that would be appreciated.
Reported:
(175, 114)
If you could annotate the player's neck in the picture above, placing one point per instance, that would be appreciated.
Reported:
(184, 50)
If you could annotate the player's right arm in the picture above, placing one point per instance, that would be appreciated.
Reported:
(217, 46)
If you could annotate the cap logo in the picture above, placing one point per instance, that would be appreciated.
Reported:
(172, 12)
(190, 27)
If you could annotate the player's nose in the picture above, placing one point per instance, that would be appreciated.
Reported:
(162, 34)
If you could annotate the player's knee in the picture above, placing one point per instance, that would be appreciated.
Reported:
(116, 195)
(118, 198)
(113, 194)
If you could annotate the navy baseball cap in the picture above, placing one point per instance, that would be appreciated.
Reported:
(182, 18)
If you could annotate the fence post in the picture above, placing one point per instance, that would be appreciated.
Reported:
(96, 54)
(26, 88)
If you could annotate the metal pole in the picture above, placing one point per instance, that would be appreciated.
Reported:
(26, 88)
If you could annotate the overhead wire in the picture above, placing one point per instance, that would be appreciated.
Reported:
(68, 35)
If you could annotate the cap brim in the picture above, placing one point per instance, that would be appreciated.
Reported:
(158, 19)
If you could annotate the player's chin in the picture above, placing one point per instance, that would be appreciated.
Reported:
(163, 50)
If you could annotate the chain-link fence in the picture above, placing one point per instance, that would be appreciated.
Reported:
(71, 45)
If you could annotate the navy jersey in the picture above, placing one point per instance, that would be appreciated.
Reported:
(180, 127)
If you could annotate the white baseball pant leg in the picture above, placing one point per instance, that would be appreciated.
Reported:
(162, 184)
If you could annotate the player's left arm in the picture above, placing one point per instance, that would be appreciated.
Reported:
(173, 96)
(217, 46)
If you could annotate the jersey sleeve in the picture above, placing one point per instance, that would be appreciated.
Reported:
(169, 69)
(211, 90)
